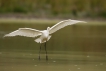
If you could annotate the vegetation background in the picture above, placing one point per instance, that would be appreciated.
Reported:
(53, 8)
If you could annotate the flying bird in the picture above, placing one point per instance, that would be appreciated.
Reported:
(45, 35)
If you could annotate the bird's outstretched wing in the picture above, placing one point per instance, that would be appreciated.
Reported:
(27, 32)
(62, 24)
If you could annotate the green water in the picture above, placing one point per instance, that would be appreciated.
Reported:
(73, 48)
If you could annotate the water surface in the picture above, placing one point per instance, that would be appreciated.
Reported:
(73, 48)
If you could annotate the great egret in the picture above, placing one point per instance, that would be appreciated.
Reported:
(45, 35)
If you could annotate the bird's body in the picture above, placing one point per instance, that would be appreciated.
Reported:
(45, 35)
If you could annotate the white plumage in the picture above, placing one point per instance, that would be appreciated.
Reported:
(44, 34)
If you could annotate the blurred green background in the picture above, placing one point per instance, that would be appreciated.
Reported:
(54, 8)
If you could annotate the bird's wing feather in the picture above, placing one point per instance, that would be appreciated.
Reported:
(28, 32)
(62, 24)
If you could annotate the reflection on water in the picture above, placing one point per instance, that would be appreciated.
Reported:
(75, 48)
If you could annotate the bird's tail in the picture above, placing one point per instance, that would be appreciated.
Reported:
(38, 40)
(41, 40)
(49, 37)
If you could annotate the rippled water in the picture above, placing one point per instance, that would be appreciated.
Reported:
(74, 48)
(58, 61)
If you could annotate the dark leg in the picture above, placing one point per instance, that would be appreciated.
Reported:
(39, 51)
(46, 52)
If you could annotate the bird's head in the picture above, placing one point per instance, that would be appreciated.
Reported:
(48, 28)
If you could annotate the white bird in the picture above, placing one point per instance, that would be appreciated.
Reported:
(45, 35)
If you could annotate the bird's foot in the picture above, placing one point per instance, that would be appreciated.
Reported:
(46, 58)
(39, 57)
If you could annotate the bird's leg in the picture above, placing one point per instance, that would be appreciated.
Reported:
(39, 51)
(46, 51)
